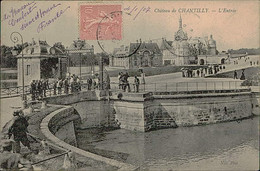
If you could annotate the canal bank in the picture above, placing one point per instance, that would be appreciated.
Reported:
(135, 111)
(223, 146)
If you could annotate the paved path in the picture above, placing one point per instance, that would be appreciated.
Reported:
(7, 109)
(175, 82)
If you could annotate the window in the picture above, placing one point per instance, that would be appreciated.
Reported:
(28, 69)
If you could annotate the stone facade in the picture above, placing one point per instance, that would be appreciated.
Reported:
(147, 111)
(40, 61)
(136, 55)
(172, 111)
(184, 50)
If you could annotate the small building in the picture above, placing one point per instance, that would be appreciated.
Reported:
(80, 53)
(120, 57)
(41, 61)
(212, 59)
(144, 54)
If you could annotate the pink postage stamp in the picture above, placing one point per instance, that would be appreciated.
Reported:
(100, 22)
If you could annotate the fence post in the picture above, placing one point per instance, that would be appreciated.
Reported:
(17, 90)
(144, 87)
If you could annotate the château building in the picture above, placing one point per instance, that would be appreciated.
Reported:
(180, 51)
(136, 55)
(186, 51)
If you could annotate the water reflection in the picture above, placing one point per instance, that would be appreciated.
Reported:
(223, 146)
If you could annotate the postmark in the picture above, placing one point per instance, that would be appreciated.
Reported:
(94, 15)
(101, 36)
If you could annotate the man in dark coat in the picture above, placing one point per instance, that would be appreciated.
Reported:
(45, 87)
(235, 74)
(137, 83)
(18, 130)
(33, 89)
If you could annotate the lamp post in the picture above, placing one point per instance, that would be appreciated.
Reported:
(15, 38)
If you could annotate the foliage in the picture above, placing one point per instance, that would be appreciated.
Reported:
(252, 81)
(251, 51)
(8, 59)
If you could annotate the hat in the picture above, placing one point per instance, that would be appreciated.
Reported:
(16, 112)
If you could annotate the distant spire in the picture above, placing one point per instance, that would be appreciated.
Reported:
(180, 22)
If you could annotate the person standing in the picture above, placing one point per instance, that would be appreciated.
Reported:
(45, 87)
(39, 88)
(119, 80)
(89, 82)
(66, 86)
(243, 75)
(78, 84)
(142, 76)
(33, 89)
(198, 72)
(235, 74)
(107, 82)
(18, 131)
(137, 83)
(59, 86)
(55, 87)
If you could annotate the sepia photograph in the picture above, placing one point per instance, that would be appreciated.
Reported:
(130, 85)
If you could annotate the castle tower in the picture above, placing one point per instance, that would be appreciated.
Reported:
(212, 46)
(180, 23)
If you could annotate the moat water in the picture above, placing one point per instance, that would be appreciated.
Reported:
(223, 146)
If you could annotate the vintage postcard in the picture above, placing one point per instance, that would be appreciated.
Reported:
(129, 85)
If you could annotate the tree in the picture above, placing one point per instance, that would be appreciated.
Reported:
(8, 59)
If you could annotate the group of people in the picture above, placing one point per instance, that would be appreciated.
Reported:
(73, 83)
(39, 88)
(201, 72)
(242, 77)
(10, 147)
(193, 73)
(124, 83)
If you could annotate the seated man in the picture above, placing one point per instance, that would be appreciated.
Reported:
(9, 160)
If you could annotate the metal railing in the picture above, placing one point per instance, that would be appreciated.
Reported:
(151, 87)
(184, 86)
(14, 90)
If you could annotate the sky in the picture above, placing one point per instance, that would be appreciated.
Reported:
(233, 24)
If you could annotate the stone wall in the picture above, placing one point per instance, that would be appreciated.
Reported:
(63, 123)
(147, 111)
(95, 113)
(130, 115)
(194, 110)
(165, 111)
(52, 127)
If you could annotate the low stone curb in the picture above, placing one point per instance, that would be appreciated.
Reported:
(47, 133)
